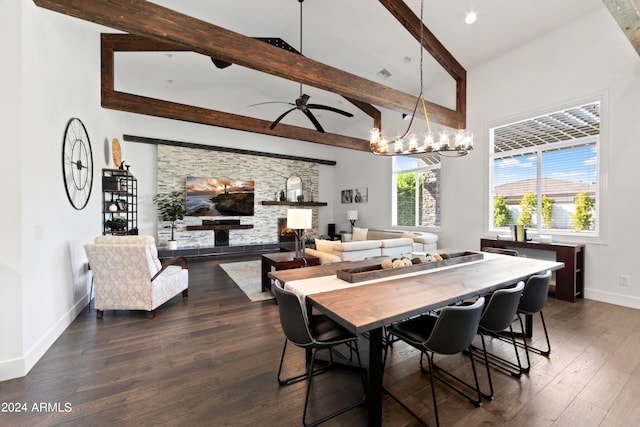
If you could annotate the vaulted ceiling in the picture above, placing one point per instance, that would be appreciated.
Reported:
(357, 37)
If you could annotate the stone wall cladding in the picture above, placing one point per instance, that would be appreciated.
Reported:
(269, 176)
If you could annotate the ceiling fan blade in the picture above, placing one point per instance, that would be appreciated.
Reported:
(313, 119)
(271, 102)
(326, 107)
(276, 121)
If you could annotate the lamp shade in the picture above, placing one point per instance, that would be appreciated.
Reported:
(352, 215)
(299, 219)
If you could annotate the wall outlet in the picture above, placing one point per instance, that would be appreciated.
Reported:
(623, 280)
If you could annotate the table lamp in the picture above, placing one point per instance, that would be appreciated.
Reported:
(352, 216)
(299, 220)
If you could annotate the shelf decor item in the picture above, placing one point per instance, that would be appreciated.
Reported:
(171, 208)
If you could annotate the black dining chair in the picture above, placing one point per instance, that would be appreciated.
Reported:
(314, 332)
(451, 332)
(498, 315)
(534, 297)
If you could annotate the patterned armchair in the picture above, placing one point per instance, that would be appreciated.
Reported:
(129, 276)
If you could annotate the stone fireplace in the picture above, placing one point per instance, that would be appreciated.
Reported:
(285, 234)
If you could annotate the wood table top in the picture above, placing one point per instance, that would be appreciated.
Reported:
(366, 307)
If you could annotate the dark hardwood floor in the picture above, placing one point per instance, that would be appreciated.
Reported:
(212, 360)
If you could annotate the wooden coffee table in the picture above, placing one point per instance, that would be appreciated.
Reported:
(283, 261)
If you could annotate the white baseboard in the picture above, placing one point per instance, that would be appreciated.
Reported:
(20, 367)
(612, 298)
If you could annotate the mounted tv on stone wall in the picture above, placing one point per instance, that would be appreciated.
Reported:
(219, 197)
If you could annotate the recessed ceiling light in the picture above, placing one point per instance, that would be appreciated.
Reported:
(470, 18)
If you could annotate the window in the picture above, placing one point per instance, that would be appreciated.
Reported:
(416, 185)
(544, 173)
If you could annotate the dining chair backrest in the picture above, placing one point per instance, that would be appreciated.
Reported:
(501, 308)
(535, 293)
(455, 329)
(501, 251)
(292, 318)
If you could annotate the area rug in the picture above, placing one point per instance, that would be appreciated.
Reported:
(248, 276)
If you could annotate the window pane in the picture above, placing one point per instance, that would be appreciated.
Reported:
(515, 190)
(569, 188)
(430, 198)
(406, 199)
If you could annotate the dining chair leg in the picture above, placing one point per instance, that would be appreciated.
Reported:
(474, 400)
(524, 344)
(310, 376)
(539, 351)
(300, 377)
(504, 365)
(488, 396)
(433, 386)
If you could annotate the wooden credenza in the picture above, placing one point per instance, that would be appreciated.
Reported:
(569, 281)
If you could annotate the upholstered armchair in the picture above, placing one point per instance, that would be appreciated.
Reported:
(129, 276)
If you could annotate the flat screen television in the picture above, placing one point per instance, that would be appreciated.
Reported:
(219, 197)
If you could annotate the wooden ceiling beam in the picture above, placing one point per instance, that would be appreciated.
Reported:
(110, 98)
(157, 22)
(626, 14)
(412, 23)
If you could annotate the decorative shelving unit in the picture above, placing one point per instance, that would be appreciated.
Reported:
(276, 203)
(120, 202)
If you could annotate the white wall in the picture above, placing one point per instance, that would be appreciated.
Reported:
(52, 73)
(587, 58)
(10, 250)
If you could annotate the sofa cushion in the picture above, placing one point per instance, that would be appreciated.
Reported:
(383, 234)
(357, 245)
(359, 233)
(325, 258)
(426, 238)
(394, 243)
(325, 245)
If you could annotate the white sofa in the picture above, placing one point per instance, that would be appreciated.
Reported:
(389, 243)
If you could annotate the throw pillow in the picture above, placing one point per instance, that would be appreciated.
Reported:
(325, 245)
(360, 233)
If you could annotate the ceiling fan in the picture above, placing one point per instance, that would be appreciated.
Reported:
(302, 102)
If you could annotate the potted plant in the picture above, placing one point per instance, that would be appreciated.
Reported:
(171, 207)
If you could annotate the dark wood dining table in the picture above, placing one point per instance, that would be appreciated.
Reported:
(368, 307)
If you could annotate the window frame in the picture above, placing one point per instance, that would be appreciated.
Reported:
(598, 236)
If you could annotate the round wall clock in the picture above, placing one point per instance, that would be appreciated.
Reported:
(77, 163)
